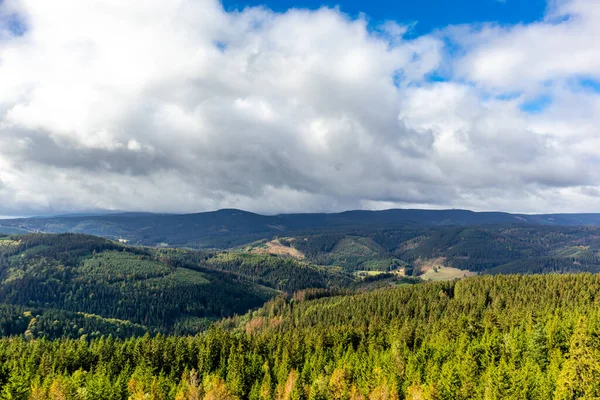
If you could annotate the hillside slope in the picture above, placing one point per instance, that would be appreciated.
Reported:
(93, 286)
(482, 249)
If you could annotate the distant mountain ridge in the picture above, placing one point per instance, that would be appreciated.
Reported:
(231, 227)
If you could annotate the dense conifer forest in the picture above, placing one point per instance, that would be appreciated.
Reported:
(83, 317)
(494, 337)
(72, 285)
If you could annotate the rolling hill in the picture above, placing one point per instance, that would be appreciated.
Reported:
(228, 228)
(72, 285)
(479, 249)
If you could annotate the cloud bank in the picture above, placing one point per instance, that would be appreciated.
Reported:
(181, 106)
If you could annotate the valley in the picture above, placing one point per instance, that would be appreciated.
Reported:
(376, 311)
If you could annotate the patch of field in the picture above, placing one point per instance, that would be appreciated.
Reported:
(363, 273)
(276, 247)
(368, 273)
(441, 273)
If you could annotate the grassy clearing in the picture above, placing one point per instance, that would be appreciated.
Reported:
(365, 272)
(442, 273)
(275, 247)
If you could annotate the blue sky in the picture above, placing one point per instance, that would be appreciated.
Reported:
(429, 14)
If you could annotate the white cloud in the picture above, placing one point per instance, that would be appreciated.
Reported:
(526, 57)
(180, 106)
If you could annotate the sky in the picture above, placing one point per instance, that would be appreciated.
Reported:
(285, 106)
(425, 16)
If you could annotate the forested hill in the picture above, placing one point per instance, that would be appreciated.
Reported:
(73, 285)
(494, 337)
(484, 249)
(228, 228)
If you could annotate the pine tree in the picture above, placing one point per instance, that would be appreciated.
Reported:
(236, 374)
(17, 387)
(216, 389)
(319, 389)
(580, 375)
(338, 385)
